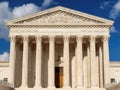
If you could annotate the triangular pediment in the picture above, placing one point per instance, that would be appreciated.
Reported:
(59, 16)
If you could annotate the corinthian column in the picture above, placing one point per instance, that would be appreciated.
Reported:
(106, 59)
(66, 63)
(94, 77)
(25, 61)
(38, 61)
(51, 63)
(88, 67)
(12, 59)
(79, 62)
(101, 65)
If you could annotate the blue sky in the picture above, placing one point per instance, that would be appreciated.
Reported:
(109, 9)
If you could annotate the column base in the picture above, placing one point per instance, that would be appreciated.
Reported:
(51, 86)
(80, 87)
(58, 89)
(23, 87)
(11, 85)
(37, 87)
(94, 88)
(66, 87)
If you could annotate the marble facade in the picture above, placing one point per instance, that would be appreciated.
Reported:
(59, 37)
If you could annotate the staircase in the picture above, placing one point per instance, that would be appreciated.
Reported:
(5, 86)
(113, 86)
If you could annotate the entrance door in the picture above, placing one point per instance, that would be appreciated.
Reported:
(59, 77)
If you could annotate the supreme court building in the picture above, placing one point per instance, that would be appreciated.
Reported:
(59, 48)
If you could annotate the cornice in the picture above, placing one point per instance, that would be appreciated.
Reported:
(4, 64)
(59, 26)
(115, 64)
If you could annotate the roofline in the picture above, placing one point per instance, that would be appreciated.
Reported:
(4, 64)
(115, 64)
(58, 8)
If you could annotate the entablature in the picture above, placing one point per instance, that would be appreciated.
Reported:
(59, 31)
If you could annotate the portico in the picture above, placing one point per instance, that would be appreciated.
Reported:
(59, 53)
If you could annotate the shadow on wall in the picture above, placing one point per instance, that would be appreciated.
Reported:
(5, 86)
(113, 86)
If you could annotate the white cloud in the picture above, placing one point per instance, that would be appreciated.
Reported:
(46, 3)
(115, 12)
(25, 10)
(4, 56)
(106, 4)
(7, 13)
(113, 29)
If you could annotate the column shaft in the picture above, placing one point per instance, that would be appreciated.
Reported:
(25, 62)
(79, 62)
(51, 63)
(88, 66)
(38, 61)
(93, 63)
(12, 59)
(101, 66)
(66, 63)
(106, 60)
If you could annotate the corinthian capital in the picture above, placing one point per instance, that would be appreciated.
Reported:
(51, 38)
(105, 38)
(79, 38)
(13, 38)
(66, 38)
(92, 38)
(25, 38)
(38, 38)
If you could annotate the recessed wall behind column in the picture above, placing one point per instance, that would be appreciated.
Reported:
(18, 63)
(45, 58)
(85, 65)
(31, 64)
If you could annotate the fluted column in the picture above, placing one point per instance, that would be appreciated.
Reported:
(66, 62)
(38, 61)
(106, 59)
(12, 59)
(79, 62)
(51, 63)
(25, 62)
(88, 66)
(93, 64)
(101, 65)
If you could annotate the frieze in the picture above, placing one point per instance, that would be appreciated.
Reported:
(67, 30)
(36, 31)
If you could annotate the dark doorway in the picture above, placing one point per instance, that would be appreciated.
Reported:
(59, 77)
